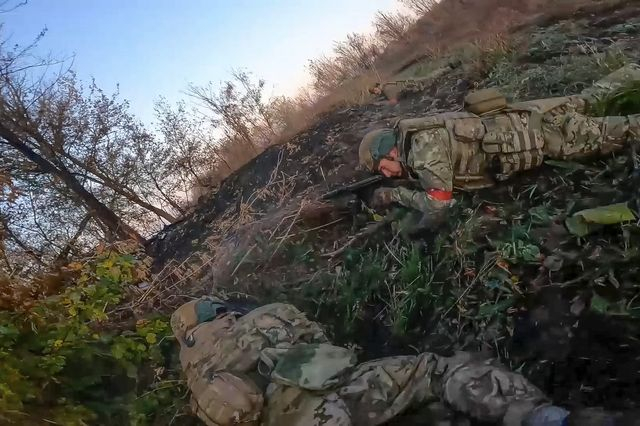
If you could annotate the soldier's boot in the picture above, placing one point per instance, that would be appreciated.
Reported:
(546, 415)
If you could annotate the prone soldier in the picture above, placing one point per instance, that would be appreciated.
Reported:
(392, 91)
(491, 142)
(274, 367)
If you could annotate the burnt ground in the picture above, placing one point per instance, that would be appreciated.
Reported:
(504, 277)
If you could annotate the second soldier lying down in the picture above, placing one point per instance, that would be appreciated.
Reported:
(275, 367)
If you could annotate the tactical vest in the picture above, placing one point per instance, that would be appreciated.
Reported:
(507, 141)
(514, 135)
(466, 132)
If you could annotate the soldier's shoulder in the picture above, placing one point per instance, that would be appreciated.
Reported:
(276, 309)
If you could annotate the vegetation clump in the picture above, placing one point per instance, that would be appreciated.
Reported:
(65, 360)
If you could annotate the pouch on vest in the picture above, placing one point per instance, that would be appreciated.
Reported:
(314, 366)
(485, 101)
(516, 140)
(469, 164)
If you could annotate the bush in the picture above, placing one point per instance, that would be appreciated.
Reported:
(625, 101)
(61, 362)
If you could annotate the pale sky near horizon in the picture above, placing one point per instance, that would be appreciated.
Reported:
(156, 48)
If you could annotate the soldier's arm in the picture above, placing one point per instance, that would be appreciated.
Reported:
(433, 203)
(430, 159)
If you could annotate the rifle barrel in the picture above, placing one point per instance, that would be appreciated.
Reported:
(353, 187)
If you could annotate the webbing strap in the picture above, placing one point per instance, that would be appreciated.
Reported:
(535, 124)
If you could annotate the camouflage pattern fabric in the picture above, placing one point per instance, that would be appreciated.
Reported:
(570, 135)
(313, 366)
(459, 151)
(274, 367)
(220, 357)
(430, 160)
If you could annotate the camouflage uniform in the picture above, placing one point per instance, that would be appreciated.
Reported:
(393, 90)
(275, 367)
(470, 151)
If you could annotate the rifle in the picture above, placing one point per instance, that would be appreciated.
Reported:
(353, 187)
(367, 182)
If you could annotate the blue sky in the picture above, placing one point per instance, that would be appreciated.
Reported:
(154, 48)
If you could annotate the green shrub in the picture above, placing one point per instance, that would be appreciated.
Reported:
(625, 101)
(61, 364)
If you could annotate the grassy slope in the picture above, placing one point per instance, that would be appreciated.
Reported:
(504, 276)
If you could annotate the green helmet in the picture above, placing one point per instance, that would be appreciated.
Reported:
(374, 146)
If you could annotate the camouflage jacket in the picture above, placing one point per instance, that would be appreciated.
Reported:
(469, 152)
(275, 367)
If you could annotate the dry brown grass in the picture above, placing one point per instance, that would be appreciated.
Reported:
(350, 93)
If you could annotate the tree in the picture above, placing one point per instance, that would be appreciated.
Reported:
(391, 27)
(420, 7)
(240, 109)
(55, 140)
(188, 155)
(96, 208)
(352, 57)
(228, 112)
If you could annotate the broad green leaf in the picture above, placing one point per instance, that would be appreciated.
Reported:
(599, 304)
(529, 253)
(586, 221)
(151, 338)
(607, 215)
(578, 226)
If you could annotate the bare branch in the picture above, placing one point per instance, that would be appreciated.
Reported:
(4, 9)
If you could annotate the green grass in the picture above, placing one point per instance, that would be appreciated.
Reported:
(449, 284)
(559, 76)
(625, 101)
(357, 283)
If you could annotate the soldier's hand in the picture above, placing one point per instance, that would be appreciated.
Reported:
(382, 197)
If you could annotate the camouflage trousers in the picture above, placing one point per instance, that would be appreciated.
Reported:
(573, 135)
(377, 391)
